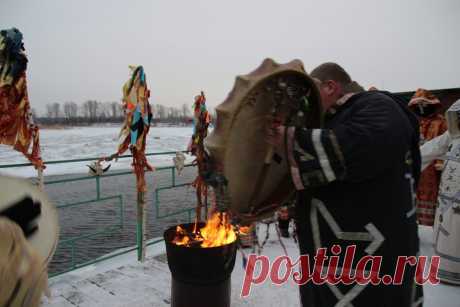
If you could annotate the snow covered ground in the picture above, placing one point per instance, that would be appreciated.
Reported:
(122, 281)
(97, 141)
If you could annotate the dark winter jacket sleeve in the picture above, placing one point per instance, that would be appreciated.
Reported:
(368, 140)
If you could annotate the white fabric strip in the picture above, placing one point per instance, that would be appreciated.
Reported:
(342, 300)
(322, 157)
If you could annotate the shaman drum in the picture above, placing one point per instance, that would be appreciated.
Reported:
(258, 178)
(26, 205)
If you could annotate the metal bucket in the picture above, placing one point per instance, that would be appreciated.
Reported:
(200, 276)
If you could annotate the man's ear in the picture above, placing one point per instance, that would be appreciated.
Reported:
(336, 88)
(330, 87)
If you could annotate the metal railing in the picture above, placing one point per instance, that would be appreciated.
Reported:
(72, 242)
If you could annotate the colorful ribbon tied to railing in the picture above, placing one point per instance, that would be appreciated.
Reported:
(17, 128)
(138, 116)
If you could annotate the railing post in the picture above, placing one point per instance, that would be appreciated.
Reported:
(140, 227)
(156, 200)
(173, 176)
(72, 251)
(41, 183)
(98, 187)
(122, 213)
(190, 215)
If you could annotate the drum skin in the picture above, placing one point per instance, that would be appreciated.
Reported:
(45, 240)
(238, 142)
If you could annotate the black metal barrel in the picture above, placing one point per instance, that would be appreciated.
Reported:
(200, 276)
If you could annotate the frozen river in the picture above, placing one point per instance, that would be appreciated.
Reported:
(87, 142)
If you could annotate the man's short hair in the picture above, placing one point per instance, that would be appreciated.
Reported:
(335, 72)
(331, 71)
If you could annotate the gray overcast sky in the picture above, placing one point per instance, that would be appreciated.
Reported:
(80, 50)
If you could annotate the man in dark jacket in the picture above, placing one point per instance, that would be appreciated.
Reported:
(355, 179)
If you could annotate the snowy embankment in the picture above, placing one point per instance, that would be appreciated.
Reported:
(89, 142)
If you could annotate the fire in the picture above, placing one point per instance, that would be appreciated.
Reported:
(217, 231)
(181, 237)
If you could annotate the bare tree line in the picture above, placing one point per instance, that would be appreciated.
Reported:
(92, 111)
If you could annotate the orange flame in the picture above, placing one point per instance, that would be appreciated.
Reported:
(217, 231)
(181, 237)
